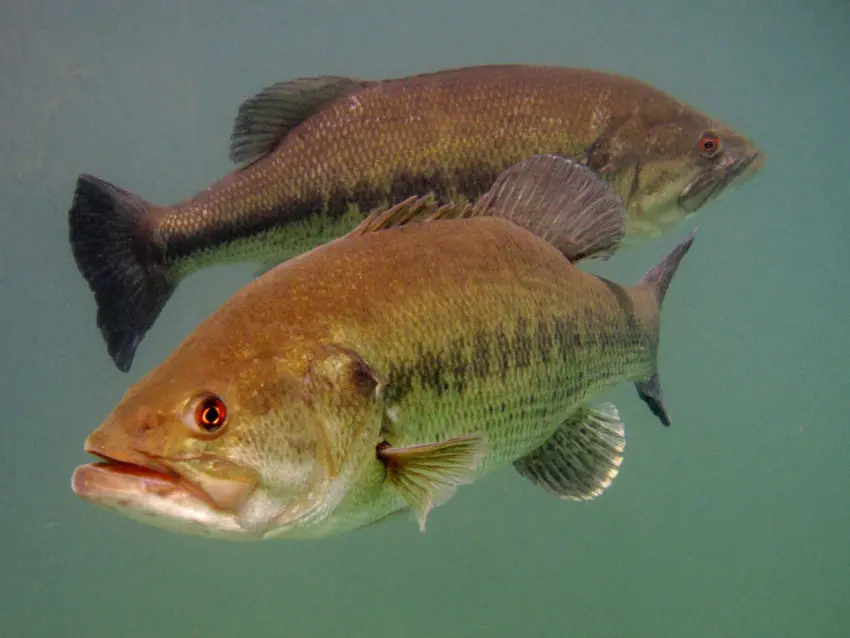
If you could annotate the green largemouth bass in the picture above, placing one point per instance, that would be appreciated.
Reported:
(318, 154)
(376, 373)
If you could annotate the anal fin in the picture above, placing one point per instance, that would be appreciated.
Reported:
(582, 458)
(427, 475)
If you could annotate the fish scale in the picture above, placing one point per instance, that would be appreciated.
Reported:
(378, 372)
(319, 154)
(409, 317)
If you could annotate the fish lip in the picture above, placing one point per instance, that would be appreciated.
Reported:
(143, 466)
(708, 184)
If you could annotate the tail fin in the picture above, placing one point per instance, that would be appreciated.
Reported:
(110, 240)
(657, 281)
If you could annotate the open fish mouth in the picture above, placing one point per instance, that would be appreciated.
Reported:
(122, 483)
(159, 498)
(709, 184)
(213, 483)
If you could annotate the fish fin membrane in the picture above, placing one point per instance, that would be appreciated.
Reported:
(657, 281)
(561, 201)
(111, 244)
(427, 475)
(415, 209)
(266, 118)
(582, 458)
(649, 390)
(555, 198)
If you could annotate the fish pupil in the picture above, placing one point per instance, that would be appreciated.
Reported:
(709, 145)
(210, 415)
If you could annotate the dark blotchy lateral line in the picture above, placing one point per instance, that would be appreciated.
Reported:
(497, 352)
(470, 183)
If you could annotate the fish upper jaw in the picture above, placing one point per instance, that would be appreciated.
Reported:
(707, 185)
(127, 478)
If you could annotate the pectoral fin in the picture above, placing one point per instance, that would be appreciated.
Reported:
(582, 458)
(427, 475)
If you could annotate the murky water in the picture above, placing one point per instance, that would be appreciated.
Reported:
(734, 522)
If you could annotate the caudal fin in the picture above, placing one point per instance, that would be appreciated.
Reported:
(657, 281)
(659, 278)
(110, 240)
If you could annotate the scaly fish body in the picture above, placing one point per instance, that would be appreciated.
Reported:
(355, 146)
(450, 348)
(489, 340)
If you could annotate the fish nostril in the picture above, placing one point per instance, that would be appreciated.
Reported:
(147, 420)
(146, 425)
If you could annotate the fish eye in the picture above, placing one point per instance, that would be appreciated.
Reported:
(709, 145)
(207, 414)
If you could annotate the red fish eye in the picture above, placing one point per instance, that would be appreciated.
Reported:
(709, 145)
(210, 414)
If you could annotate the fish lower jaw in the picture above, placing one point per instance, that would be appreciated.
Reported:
(156, 499)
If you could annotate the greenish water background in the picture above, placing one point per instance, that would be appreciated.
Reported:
(734, 522)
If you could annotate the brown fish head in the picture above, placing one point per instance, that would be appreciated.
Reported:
(666, 170)
(236, 447)
(722, 158)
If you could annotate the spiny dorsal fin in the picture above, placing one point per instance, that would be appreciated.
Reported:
(416, 209)
(266, 118)
(563, 202)
(427, 475)
(582, 458)
(553, 197)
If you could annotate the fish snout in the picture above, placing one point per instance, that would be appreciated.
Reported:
(119, 449)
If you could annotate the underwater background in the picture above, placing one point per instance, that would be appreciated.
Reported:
(733, 522)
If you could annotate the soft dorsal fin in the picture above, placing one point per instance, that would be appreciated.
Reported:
(561, 201)
(555, 198)
(266, 118)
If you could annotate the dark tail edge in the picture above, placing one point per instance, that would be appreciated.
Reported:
(658, 280)
(111, 243)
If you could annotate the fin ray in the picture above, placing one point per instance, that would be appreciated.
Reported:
(266, 118)
(415, 209)
(657, 280)
(111, 245)
(555, 198)
(427, 475)
(649, 390)
(582, 458)
(563, 202)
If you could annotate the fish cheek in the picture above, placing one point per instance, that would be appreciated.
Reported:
(346, 396)
(661, 183)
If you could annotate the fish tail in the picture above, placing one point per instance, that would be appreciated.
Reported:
(656, 281)
(111, 241)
